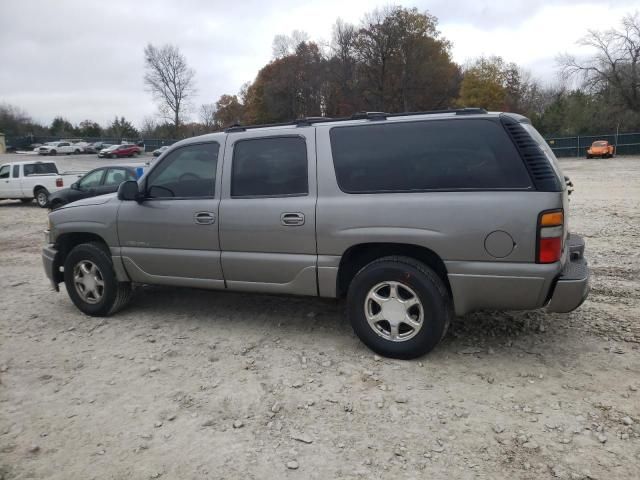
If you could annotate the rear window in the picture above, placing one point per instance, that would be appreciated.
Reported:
(39, 168)
(426, 155)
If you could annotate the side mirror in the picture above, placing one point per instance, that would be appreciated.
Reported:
(129, 191)
(75, 186)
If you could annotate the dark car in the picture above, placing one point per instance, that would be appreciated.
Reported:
(124, 150)
(96, 147)
(159, 151)
(100, 181)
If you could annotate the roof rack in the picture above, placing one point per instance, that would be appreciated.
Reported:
(373, 116)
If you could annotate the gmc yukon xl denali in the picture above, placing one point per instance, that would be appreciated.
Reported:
(413, 218)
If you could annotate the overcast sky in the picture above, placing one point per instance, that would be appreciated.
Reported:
(84, 59)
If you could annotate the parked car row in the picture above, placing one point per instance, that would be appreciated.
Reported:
(103, 149)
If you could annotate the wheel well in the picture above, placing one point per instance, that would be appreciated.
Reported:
(358, 256)
(67, 241)
(38, 187)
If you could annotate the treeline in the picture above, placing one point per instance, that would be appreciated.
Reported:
(394, 60)
(14, 122)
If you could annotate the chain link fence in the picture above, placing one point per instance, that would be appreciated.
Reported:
(624, 143)
(28, 142)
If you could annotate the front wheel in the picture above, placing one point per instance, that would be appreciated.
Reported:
(53, 152)
(42, 197)
(91, 281)
(399, 307)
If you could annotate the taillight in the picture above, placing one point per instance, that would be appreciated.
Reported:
(550, 236)
(59, 182)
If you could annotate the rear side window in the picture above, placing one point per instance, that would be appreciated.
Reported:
(270, 167)
(426, 155)
(39, 169)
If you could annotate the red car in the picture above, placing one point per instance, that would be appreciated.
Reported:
(124, 150)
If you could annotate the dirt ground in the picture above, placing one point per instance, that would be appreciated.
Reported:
(188, 384)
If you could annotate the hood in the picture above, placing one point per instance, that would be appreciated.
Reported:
(99, 200)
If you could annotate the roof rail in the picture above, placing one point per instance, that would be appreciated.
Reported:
(308, 121)
(369, 116)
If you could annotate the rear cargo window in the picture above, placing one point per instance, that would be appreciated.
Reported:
(39, 169)
(426, 155)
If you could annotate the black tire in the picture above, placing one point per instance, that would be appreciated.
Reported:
(42, 197)
(53, 152)
(115, 294)
(589, 156)
(428, 287)
(26, 200)
(76, 151)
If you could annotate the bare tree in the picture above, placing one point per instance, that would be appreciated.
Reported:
(284, 45)
(208, 116)
(170, 81)
(615, 66)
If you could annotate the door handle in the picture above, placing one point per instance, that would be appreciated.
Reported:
(204, 218)
(292, 219)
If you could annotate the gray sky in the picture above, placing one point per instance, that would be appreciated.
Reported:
(83, 59)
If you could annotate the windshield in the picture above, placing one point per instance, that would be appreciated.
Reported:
(113, 147)
(599, 144)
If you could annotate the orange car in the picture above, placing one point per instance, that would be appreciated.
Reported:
(600, 148)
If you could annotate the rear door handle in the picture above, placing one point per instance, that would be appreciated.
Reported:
(292, 219)
(204, 218)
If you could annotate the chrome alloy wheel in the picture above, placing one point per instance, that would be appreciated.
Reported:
(88, 281)
(394, 311)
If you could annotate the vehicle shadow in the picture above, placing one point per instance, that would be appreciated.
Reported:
(300, 315)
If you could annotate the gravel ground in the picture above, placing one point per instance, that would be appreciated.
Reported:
(188, 384)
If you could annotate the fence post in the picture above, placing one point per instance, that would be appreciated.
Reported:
(578, 152)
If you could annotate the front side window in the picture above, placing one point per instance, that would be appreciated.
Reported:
(188, 172)
(4, 171)
(269, 167)
(115, 176)
(426, 155)
(91, 180)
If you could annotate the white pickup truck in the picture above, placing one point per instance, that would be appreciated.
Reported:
(53, 148)
(28, 180)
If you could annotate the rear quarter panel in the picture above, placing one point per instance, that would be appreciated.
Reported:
(452, 224)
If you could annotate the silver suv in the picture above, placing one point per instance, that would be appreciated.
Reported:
(412, 218)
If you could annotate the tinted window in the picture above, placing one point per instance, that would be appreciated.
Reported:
(186, 172)
(91, 179)
(274, 166)
(16, 171)
(39, 168)
(4, 172)
(426, 155)
(115, 176)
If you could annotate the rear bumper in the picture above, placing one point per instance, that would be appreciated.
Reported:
(50, 265)
(572, 286)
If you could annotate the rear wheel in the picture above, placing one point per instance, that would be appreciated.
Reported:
(399, 307)
(91, 281)
(42, 197)
(77, 152)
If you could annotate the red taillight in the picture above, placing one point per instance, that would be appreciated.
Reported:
(550, 236)
(59, 182)
(549, 250)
